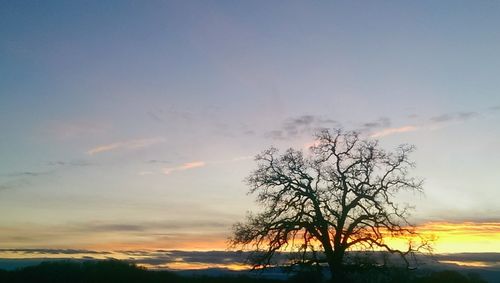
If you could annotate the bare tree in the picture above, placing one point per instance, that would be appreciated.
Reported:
(339, 197)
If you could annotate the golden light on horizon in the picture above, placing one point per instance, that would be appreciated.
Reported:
(464, 237)
(472, 237)
(182, 265)
(449, 237)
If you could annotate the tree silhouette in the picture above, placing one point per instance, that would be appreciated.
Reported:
(339, 197)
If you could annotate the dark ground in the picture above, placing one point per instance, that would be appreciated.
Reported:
(111, 271)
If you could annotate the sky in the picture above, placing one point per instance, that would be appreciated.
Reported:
(132, 124)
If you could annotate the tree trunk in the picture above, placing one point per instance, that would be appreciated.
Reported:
(337, 272)
(336, 267)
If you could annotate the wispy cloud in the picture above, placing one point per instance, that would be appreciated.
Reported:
(450, 117)
(72, 163)
(185, 166)
(170, 115)
(391, 131)
(21, 179)
(27, 174)
(154, 161)
(66, 130)
(235, 159)
(197, 164)
(433, 123)
(53, 251)
(298, 126)
(131, 144)
(382, 122)
(466, 115)
(4, 187)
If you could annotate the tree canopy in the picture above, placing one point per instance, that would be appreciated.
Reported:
(339, 197)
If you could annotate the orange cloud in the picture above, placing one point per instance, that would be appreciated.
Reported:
(178, 241)
(391, 131)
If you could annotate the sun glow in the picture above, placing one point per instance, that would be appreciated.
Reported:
(464, 237)
(448, 237)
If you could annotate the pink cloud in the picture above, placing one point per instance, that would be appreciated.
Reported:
(391, 131)
(310, 144)
(197, 164)
(131, 144)
(185, 166)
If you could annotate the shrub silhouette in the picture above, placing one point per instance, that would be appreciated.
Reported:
(108, 271)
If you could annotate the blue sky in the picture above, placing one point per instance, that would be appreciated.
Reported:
(135, 119)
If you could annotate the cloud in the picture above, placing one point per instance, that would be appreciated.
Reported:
(441, 118)
(433, 123)
(191, 165)
(183, 167)
(13, 184)
(450, 117)
(298, 126)
(382, 122)
(310, 144)
(391, 131)
(20, 179)
(103, 148)
(27, 174)
(174, 256)
(114, 227)
(197, 164)
(131, 144)
(73, 163)
(170, 115)
(412, 116)
(275, 135)
(4, 187)
(64, 130)
(466, 115)
(187, 233)
(154, 161)
(240, 158)
(53, 251)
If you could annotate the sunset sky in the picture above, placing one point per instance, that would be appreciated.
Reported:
(132, 124)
